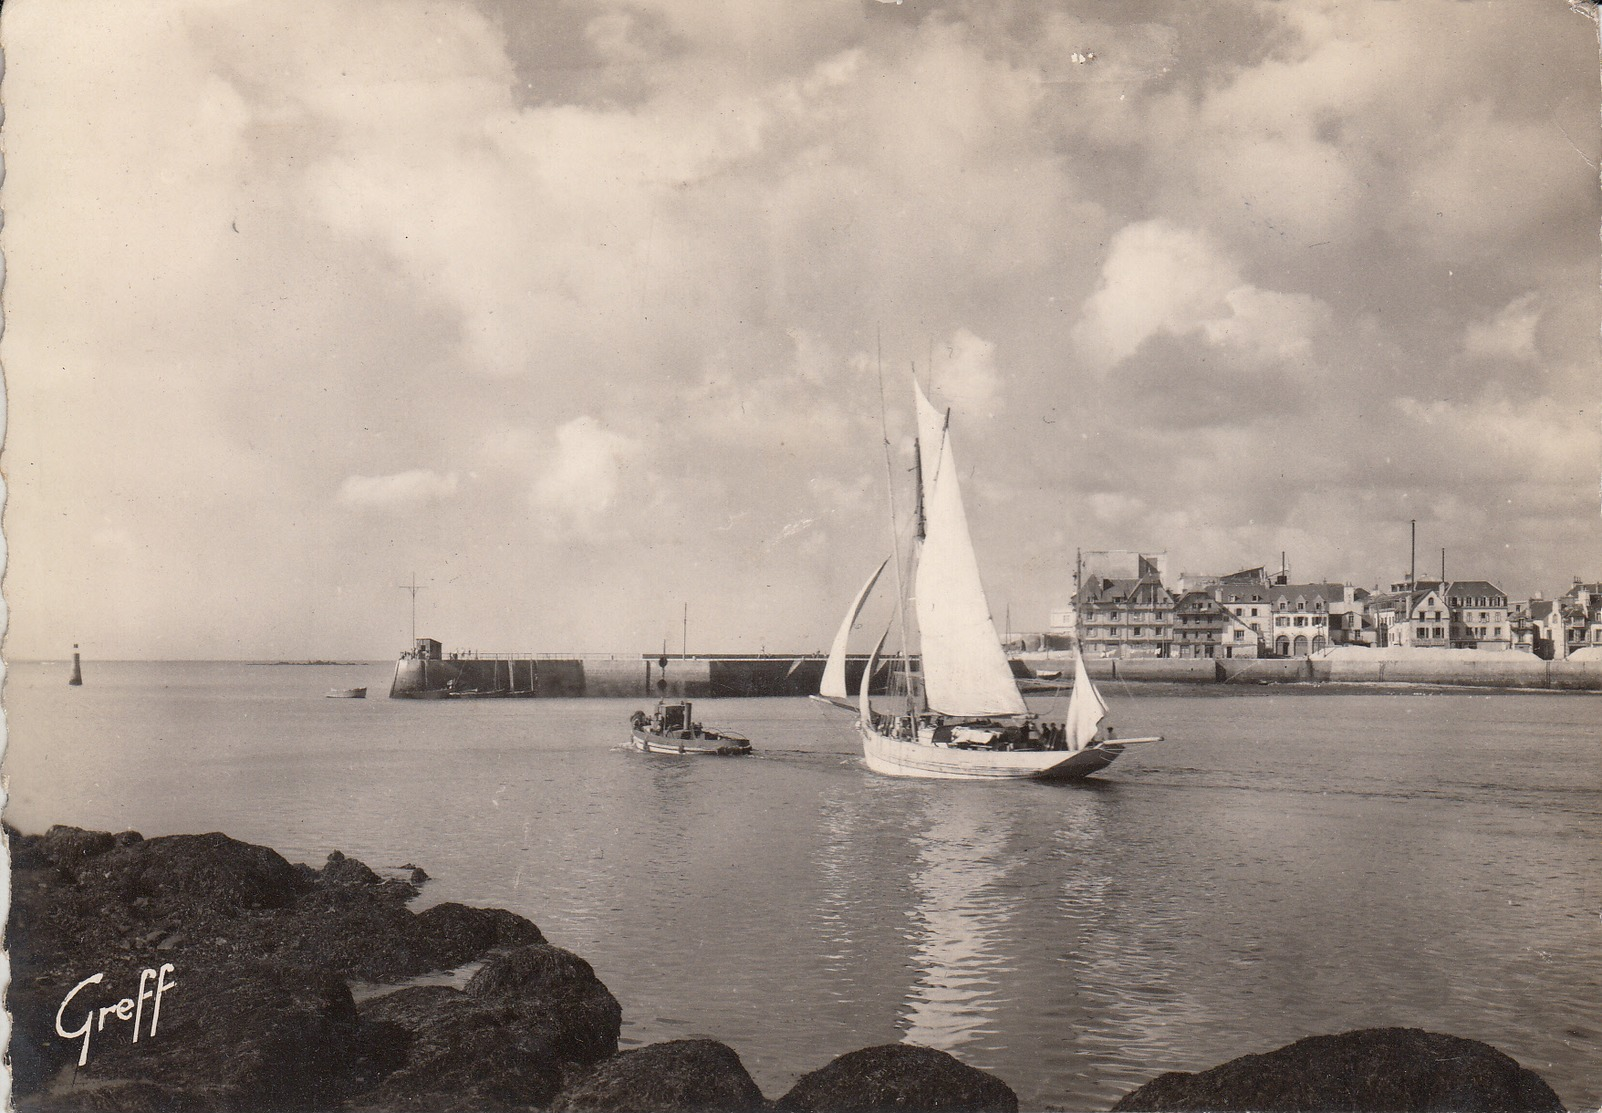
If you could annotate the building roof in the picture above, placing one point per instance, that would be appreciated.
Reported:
(1289, 593)
(1459, 589)
(1244, 592)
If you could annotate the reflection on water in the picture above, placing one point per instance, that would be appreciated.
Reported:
(956, 924)
(1288, 864)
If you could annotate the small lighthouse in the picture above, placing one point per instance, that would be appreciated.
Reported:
(77, 668)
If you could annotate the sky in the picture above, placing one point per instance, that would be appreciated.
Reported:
(597, 317)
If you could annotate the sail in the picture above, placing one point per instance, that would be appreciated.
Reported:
(1086, 709)
(833, 685)
(867, 679)
(965, 671)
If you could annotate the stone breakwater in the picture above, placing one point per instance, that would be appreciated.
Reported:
(1466, 668)
(257, 957)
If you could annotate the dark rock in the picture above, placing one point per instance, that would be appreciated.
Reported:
(340, 870)
(70, 848)
(899, 1076)
(262, 950)
(558, 994)
(460, 1054)
(457, 933)
(25, 850)
(182, 872)
(417, 874)
(1375, 1070)
(252, 1036)
(681, 1076)
(123, 1097)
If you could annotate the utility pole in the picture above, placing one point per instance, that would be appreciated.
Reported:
(414, 589)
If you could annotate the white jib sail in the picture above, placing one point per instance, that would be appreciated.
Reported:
(863, 711)
(1086, 709)
(965, 671)
(833, 684)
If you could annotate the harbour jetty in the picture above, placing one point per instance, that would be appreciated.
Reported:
(428, 671)
(253, 961)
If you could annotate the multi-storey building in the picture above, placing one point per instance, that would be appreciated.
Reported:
(1301, 615)
(1125, 617)
(1244, 597)
(1200, 622)
(1481, 618)
(1582, 616)
(1416, 614)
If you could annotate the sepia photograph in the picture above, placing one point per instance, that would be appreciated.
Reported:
(831, 556)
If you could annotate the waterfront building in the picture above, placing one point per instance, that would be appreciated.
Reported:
(1419, 616)
(1311, 617)
(1200, 622)
(1529, 623)
(1480, 617)
(1582, 616)
(1244, 597)
(1130, 617)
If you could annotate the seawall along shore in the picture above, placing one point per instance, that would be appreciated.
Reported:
(1466, 668)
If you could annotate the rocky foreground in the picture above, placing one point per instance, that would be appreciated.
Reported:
(225, 977)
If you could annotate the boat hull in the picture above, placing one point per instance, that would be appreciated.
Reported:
(896, 757)
(704, 746)
(348, 693)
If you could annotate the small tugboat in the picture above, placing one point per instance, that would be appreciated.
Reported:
(672, 731)
(347, 693)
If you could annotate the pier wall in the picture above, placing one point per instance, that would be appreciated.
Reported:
(1179, 670)
(627, 677)
(1264, 670)
(1461, 667)
(1492, 670)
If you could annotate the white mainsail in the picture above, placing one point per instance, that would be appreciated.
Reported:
(1086, 708)
(833, 684)
(965, 671)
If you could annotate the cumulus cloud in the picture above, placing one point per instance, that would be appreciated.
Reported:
(1162, 279)
(967, 375)
(1158, 277)
(583, 475)
(1509, 333)
(407, 488)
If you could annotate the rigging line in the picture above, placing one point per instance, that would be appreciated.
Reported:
(895, 538)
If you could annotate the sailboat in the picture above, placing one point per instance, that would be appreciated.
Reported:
(967, 718)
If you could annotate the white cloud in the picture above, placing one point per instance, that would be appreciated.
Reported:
(407, 488)
(1269, 327)
(584, 475)
(1163, 279)
(967, 375)
(1509, 334)
(1158, 277)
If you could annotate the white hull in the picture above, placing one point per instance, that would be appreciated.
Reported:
(715, 746)
(898, 757)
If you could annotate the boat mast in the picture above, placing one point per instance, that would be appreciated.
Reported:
(895, 546)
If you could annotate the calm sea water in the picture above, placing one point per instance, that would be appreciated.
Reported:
(1290, 863)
